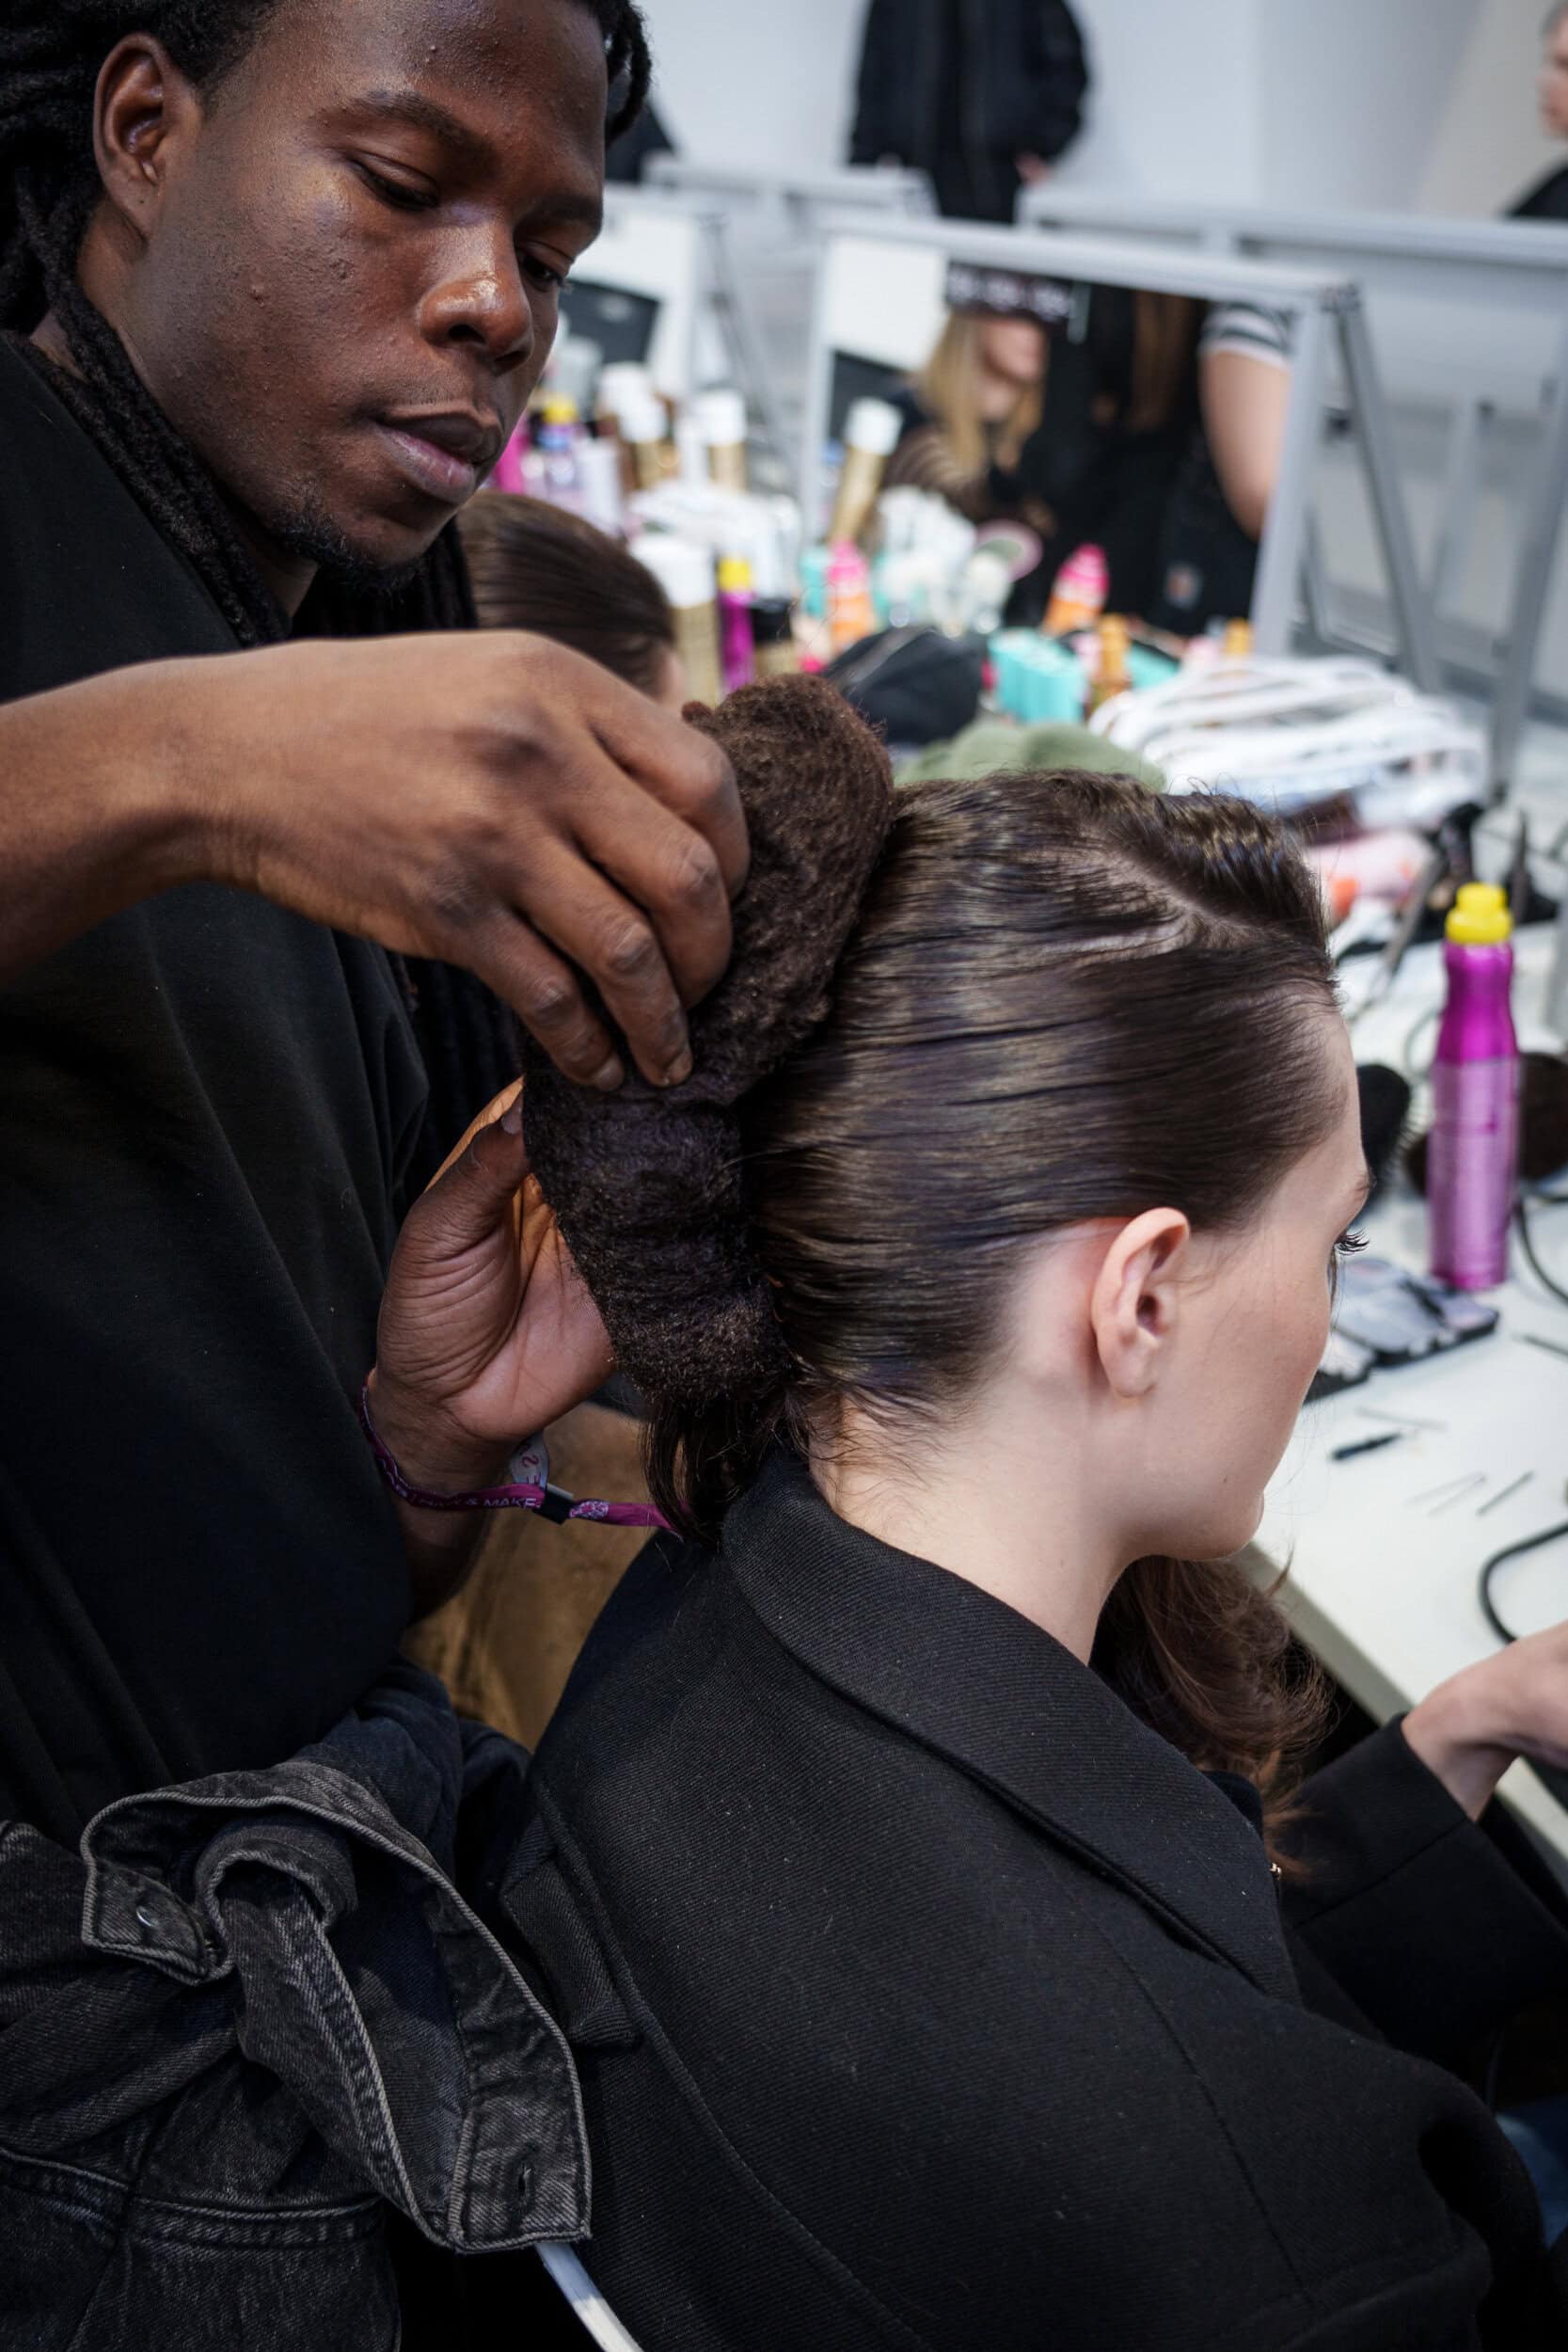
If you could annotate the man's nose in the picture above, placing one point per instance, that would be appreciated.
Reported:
(481, 298)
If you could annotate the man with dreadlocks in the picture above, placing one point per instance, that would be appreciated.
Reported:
(276, 280)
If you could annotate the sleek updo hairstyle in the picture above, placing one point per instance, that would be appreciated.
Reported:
(1062, 998)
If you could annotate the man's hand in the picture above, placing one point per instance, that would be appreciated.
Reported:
(486, 1334)
(486, 1331)
(487, 798)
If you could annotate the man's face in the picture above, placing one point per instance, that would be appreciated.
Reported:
(353, 281)
(1552, 80)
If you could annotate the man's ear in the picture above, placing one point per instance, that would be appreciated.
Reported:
(145, 113)
(1134, 1306)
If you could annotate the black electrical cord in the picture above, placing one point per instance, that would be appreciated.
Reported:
(1521, 1217)
(1500, 1559)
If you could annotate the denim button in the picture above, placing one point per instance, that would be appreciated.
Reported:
(147, 1916)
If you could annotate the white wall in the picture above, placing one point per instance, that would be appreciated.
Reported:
(1351, 92)
(1426, 104)
(766, 83)
(1486, 144)
(1173, 108)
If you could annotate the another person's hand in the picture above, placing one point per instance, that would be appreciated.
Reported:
(486, 1331)
(490, 799)
(1472, 1727)
(1032, 169)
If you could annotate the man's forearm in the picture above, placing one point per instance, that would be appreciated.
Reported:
(92, 813)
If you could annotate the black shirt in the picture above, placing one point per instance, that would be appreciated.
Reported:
(1546, 200)
(207, 1106)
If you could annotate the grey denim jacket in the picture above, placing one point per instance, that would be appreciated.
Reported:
(248, 2011)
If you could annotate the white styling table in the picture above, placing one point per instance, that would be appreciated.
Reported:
(1381, 1587)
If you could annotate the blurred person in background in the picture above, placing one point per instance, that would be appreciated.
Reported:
(1214, 521)
(1549, 198)
(1080, 434)
(969, 411)
(982, 95)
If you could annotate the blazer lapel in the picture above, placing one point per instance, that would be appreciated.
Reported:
(960, 1671)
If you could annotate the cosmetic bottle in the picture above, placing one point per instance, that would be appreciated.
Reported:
(1078, 598)
(684, 570)
(559, 436)
(722, 415)
(644, 430)
(870, 437)
(850, 613)
(1472, 1157)
(736, 658)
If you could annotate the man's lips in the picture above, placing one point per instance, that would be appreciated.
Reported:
(446, 455)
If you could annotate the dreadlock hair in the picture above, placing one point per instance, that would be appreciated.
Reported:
(49, 55)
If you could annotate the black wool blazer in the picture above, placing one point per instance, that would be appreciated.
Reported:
(923, 1997)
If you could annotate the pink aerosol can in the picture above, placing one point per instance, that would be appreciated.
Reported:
(1472, 1158)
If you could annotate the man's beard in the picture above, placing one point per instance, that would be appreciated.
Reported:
(309, 530)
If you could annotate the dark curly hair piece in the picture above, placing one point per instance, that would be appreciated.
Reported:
(648, 1183)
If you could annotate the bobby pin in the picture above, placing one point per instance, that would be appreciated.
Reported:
(1492, 1501)
(1401, 1421)
(1452, 1490)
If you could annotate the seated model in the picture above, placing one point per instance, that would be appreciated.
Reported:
(913, 1861)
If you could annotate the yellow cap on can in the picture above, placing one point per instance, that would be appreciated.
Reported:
(1479, 916)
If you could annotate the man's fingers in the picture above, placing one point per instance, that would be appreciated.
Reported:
(668, 869)
(511, 958)
(686, 772)
(619, 946)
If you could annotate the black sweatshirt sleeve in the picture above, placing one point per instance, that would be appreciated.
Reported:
(1437, 1928)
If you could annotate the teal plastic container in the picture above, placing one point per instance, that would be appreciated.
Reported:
(1035, 677)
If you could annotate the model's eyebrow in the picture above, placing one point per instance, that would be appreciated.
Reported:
(576, 206)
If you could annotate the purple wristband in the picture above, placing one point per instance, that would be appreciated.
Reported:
(552, 1502)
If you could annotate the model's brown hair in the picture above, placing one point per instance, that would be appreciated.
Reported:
(1062, 998)
(537, 566)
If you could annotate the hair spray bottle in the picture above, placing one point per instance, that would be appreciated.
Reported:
(1473, 1155)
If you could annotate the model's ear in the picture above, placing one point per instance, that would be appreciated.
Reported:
(146, 116)
(1135, 1303)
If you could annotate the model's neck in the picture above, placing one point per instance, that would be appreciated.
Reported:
(1005, 1496)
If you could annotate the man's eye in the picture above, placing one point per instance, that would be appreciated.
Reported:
(396, 192)
(542, 275)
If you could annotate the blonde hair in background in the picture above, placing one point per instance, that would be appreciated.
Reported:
(949, 385)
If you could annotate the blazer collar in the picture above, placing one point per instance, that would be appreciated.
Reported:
(968, 1676)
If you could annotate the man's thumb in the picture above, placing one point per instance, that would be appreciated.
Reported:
(475, 1194)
